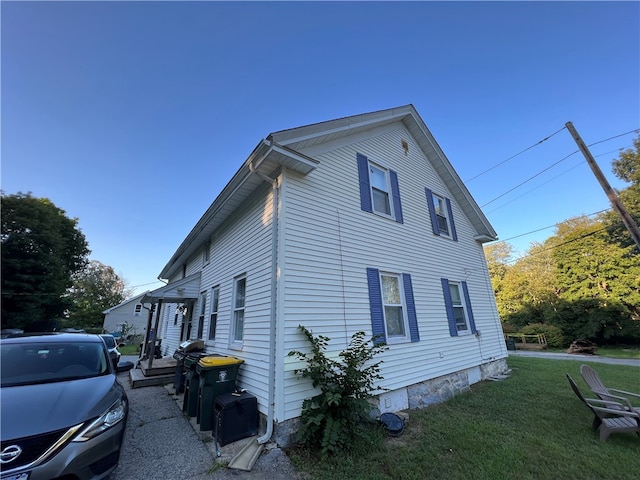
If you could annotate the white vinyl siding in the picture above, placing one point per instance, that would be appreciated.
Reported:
(330, 242)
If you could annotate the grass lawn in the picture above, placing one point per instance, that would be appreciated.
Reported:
(530, 426)
(129, 350)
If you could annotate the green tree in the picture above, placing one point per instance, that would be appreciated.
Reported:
(95, 288)
(598, 281)
(627, 168)
(528, 287)
(498, 256)
(41, 250)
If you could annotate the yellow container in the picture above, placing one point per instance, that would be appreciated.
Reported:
(209, 362)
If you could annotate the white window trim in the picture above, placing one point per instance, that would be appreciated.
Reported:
(233, 342)
(137, 310)
(389, 190)
(214, 311)
(206, 253)
(464, 309)
(406, 338)
(202, 313)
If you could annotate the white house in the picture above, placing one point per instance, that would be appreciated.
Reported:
(131, 311)
(359, 223)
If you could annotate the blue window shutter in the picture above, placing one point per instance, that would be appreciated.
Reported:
(467, 301)
(453, 331)
(375, 303)
(454, 235)
(365, 186)
(411, 307)
(395, 193)
(432, 211)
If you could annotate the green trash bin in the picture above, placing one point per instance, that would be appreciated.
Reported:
(217, 375)
(191, 384)
(511, 344)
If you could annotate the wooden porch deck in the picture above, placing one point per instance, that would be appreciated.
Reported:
(162, 372)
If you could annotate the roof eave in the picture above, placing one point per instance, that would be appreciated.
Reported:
(266, 158)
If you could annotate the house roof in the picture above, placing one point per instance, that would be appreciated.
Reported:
(135, 299)
(282, 148)
(186, 288)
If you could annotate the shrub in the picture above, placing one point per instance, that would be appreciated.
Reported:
(336, 417)
(553, 334)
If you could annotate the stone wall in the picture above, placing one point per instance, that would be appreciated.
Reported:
(419, 395)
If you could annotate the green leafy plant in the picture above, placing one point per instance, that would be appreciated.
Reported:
(339, 414)
(553, 334)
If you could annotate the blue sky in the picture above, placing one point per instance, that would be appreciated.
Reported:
(133, 116)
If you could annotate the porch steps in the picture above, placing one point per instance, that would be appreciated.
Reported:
(161, 372)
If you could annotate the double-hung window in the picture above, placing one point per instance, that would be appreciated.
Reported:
(213, 318)
(203, 311)
(379, 189)
(441, 215)
(458, 307)
(239, 296)
(393, 312)
(137, 310)
(206, 252)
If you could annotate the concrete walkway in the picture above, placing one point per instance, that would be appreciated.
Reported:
(573, 356)
(161, 443)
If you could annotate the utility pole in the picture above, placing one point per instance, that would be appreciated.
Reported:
(613, 198)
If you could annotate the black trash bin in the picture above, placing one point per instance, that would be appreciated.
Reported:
(511, 343)
(191, 384)
(235, 417)
(217, 375)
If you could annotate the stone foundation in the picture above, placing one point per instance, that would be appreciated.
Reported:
(419, 395)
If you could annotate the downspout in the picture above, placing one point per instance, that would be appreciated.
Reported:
(273, 313)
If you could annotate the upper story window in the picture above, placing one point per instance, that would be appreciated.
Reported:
(393, 311)
(239, 297)
(203, 311)
(213, 318)
(458, 306)
(379, 189)
(441, 215)
(137, 310)
(206, 252)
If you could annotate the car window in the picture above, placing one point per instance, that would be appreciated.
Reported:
(23, 364)
(109, 341)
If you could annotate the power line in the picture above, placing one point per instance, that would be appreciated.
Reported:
(637, 130)
(536, 187)
(550, 226)
(556, 163)
(564, 243)
(529, 179)
(514, 156)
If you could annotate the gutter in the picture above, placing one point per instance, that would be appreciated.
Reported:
(273, 313)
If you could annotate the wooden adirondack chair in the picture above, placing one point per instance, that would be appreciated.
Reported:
(609, 416)
(592, 379)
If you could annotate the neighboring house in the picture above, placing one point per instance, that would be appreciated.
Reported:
(359, 223)
(131, 311)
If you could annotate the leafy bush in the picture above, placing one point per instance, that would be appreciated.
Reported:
(337, 416)
(553, 334)
(509, 328)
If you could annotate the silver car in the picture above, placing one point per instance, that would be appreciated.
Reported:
(63, 412)
(112, 348)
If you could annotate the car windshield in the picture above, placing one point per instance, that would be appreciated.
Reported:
(109, 341)
(41, 362)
